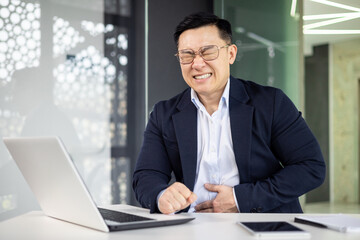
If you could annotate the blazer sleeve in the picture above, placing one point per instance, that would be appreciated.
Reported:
(296, 148)
(152, 171)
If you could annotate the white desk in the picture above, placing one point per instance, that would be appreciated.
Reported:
(207, 226)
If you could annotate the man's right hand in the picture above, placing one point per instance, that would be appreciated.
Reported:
(175, 198)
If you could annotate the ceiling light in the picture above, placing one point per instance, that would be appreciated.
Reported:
(329, 22)
(321, 32)
(327, 16)
(293, 8)
(338, 5)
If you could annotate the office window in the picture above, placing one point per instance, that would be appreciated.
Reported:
(64, 70)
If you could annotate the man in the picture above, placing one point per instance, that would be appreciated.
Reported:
(232, 145)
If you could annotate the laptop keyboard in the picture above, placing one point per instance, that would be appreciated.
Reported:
(120, 216)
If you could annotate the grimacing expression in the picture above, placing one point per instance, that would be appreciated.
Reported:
(207, 78)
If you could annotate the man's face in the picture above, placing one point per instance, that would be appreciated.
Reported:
(207, 78)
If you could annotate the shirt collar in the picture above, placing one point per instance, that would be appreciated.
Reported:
(224, 98)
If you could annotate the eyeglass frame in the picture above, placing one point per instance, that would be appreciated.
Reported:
(199, 53)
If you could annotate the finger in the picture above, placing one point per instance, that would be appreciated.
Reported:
(212, 187)
(176, 196)
(189, 196)
(204, 205)
(189, 201)
(182, 189)
(192, 198)
(171, 201)
(208, 210)
(166, 207)
(172, 207)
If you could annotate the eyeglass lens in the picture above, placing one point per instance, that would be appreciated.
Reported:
(208, 53)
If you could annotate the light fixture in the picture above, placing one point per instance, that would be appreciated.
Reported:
(293, 8)
(331, 15)
(333, 19)
(336, 32)
(338, 5)
(329, 22)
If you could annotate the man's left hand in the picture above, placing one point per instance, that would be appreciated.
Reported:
(224, 202)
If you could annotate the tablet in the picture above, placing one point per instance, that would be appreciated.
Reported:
(274, 230)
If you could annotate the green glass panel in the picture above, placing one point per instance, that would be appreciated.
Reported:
(267, 37)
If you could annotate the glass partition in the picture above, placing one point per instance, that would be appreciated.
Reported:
(269, 42)
(64, 70)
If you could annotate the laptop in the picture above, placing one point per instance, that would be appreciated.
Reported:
(52, 176)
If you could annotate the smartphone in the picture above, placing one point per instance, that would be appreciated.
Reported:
(278, 229)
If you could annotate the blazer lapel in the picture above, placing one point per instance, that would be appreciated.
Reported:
(185, 124)
(241, 116)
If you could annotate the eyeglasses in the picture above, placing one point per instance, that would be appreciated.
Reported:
(208, 53)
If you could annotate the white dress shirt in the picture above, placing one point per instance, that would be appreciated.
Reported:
(215, 155)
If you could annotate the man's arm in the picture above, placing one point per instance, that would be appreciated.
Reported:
(296, 148)
(153, 170)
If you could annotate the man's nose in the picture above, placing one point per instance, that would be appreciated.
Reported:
(198, 60)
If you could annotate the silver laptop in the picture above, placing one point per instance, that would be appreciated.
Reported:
(52, 176)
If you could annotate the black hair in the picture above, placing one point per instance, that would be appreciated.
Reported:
(202, 19)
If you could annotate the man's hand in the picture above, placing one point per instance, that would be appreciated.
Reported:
(175, 198)
(224, 202)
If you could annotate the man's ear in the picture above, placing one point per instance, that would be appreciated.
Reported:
(232, 53)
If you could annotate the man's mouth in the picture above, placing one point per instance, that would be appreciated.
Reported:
(207, 75)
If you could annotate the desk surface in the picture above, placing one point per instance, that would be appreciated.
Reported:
(35, 225)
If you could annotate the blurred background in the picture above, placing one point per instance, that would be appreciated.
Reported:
(90, 72)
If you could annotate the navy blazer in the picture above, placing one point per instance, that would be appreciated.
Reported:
(277, 156)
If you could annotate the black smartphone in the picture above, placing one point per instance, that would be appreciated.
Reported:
(278, 229)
